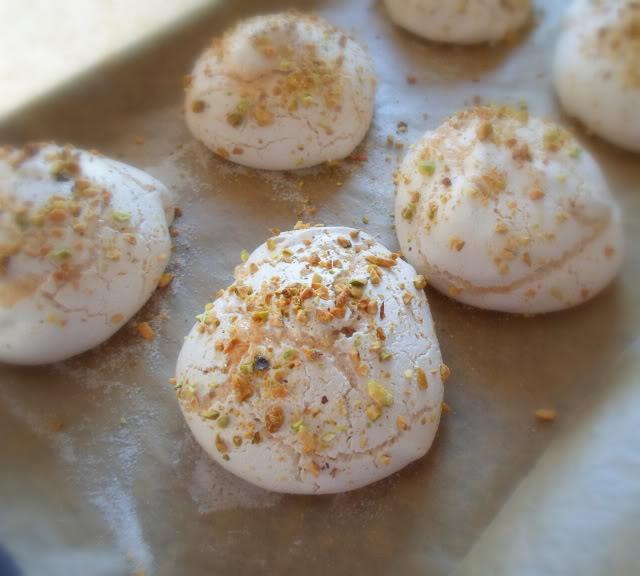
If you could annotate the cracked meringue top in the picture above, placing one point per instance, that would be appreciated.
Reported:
(83, 243)
(318, 369)
(460, 21)
(280, 92)
(597, 68)
(506, 211)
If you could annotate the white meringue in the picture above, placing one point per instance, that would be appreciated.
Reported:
(280, 92)
(460, 21)
(83, 243)
(597, 68)
(505, 211)
(318, 370)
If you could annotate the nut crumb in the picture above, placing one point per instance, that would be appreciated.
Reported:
(545, 414)
(165, 280)
(197, 106)
(145, 330)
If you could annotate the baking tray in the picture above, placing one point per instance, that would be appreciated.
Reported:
(100, 474)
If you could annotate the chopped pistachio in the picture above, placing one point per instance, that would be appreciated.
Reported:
(402, 423)
(545, 414)
(223, 420)
(344, 242)
(145, 330)
(385, 355)
(575, 152)
(221, 445)
(22, 219)
(297, 425)
(244, 255)
(409, 211)
(328, 437)
(373, 412)
(165, 280)
(211, 414)
(60, 253)
(260, 316)
(381, 261)
(290, 354)
(358, 283)
(235, 118)
(120, 216)
(274, 417)
(420, 282)
(379, 394)
(271, 243)
(426, 167)
(245, 368)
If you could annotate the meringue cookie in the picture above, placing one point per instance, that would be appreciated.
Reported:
(597, 68)
(460, 21)
(280, 92)
(83, 243)
(505, 211)
(318, 369)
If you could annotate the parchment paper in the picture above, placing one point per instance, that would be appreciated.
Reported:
(99, 472)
